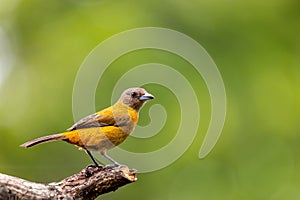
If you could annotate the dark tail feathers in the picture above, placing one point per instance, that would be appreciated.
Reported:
(48, 138)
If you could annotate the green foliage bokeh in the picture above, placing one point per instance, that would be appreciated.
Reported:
(255, 44)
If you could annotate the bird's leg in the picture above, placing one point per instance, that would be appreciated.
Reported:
(109, 158)
(94, 160)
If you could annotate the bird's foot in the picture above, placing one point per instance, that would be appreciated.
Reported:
(114, 165)
(94, 165)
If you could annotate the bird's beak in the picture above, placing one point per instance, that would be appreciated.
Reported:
(146, 97)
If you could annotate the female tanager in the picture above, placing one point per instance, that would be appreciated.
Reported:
(105, 129)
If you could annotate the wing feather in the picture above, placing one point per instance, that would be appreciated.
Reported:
(94, 120)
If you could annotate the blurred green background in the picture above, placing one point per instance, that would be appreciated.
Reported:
(255, 44)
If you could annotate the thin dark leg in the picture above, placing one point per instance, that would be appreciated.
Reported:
(109, 158)
(94, 160)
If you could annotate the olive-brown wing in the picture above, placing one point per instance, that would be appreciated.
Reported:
(99, 119)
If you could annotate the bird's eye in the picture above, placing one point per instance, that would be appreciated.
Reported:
(133, 94)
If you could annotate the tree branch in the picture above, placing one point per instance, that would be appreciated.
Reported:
(87, 184)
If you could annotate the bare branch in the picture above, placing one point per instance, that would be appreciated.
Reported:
(87, 184)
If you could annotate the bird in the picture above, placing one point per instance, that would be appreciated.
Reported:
(105, 129)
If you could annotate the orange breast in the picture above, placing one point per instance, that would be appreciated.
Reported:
(122, 119)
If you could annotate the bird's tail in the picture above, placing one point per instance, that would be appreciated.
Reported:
(48, 138)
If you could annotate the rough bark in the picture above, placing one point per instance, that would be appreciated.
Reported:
(87, 184)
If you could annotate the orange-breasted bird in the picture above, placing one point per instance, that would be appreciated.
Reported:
(105, 129)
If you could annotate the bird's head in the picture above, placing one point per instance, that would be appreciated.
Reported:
(135, 97)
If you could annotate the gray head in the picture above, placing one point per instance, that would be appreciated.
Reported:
(135, 97)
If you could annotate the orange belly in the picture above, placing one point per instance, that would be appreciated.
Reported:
(96, 138)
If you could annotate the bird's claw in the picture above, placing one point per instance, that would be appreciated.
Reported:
(94, 165)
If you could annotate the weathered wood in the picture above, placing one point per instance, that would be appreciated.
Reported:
(87, 184)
